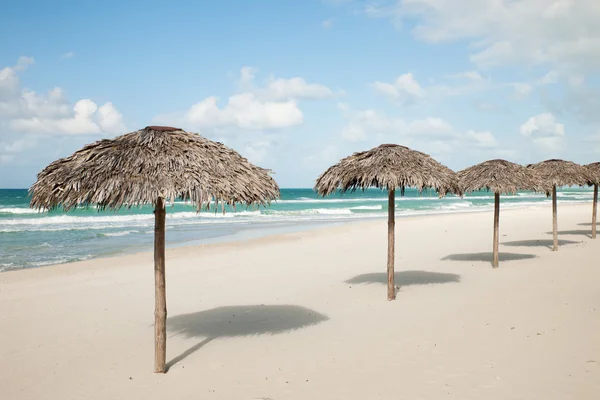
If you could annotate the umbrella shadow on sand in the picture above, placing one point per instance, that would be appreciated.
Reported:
(588, 224)
(538, 242)
(502, 256)
(406, 278)
(236, 321)
(581, 232)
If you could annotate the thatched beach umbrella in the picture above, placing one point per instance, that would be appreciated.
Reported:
(151, 166)
(389, 166)
(559, 173)
(500, 177)
(594, 179)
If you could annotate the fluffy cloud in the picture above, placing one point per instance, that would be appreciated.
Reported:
(243, 111)
(543, 129)
(469, 75)
(480, 139)
(432, 132)
(328, 23)
(561, 32)
(275, 89)
(295, 88)
(256, 151)
(8, 151)
(86, 118)
(25, 111)
(405, 88)
(271, 106)
(521, 89)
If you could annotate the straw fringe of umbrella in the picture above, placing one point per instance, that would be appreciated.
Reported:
(559, 173)
(150, 166)
(388, 166)
(500, 177)
(139, 167)
(594, 179)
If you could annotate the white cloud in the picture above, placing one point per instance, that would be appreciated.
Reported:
(9, 80)
(468, 75)
(281, 88)
(565, 33)
(256, 151)
(543, 129)
(25, 111)
(524, 89)
(430, 127)
(550, 78)
(368, 124)
(109, 119)
(576, 80)
(243, 111)
(86, 118)
(328, 23)
(294, 88)
(247, 75)
(521, 90)
(343, 106)
(322, 156)
(67, 55)
(432, 134)
(9, 84)
(23, 63)
(480, 139)
(8, 151)
(28, 103)
(271, 106)
(405, 88)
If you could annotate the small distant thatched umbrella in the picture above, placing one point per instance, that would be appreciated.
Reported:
(500, 177)
(594, 179)
(151, 166)
(388, 166)
(559, 173)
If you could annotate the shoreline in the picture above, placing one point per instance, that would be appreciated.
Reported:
(38, 241)
(175, 250)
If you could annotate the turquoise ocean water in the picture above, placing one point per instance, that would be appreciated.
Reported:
(29, 238)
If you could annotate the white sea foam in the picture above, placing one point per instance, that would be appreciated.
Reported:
(120, 233)
(19, 210)
(49, 262)
(144, 222)
(378, 207)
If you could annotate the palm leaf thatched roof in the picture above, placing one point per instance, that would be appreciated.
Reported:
(561, 173)
(388, 166)
(593, 173)
(500, 176)
(138, 167)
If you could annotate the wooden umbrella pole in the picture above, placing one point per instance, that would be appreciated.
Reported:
(554, 221)
(391, 241)
(496, 223)
(160, 298)
(594, 210)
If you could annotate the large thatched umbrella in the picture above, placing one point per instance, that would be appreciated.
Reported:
(559, 173)
(388, 166)
(151, 166)
(500, 177)
(594, 179)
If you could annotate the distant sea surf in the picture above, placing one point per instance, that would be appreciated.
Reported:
(29, 238)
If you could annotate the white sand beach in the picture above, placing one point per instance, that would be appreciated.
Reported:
(305, 316)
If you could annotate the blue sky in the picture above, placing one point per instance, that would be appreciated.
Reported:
(296, 85)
